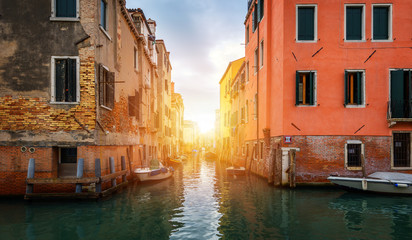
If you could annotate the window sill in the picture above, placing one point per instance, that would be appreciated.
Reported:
(105, 32)
(64, 19)
(107, 108)
(306, 41)
(64, 103)
(354, 168)
(401, 168)
(355, 106)
(383, 40)
(355, 41)
(301, 105)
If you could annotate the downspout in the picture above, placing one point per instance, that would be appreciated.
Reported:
(257, 92)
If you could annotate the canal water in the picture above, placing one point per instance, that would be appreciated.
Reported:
(202, 202)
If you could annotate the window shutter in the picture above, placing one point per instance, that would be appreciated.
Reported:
(311, 98)
(110, 90)
(254, 20)
(71, 81)
(297, 89)
(346, 89)
(354, 23)
(262, 9)
(132, 108)
(359, 94)
(380, 23)
(101, 84)
(66, 8)
(60, 79)
(306, 23)
(397, 94)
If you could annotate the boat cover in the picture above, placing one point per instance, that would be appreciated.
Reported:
(155, 172)
(392, 176)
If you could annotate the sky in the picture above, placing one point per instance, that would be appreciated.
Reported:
(202, 36)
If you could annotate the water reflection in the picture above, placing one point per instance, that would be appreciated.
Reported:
(202, 202)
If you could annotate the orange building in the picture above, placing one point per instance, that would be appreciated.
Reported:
(331, 80)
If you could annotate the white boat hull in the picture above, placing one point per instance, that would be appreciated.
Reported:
(144, 174)
(373, 185)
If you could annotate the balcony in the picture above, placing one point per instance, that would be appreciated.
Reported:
(399, 111)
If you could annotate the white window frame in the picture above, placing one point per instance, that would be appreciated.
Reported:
(390, 37)
(363, 105)
(315, 23)
(68, 19)
(261, 55)
(315, 88)
(256, 60)
(136, 59)
(346, 154)
(105, 31)
(363, 22)
(53, 79)
(393, 150)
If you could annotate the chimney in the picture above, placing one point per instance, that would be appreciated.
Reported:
(152, 26)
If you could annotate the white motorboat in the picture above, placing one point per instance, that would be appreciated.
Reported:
(379, 182)
(147, 174)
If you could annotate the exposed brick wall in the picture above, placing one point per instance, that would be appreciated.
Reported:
(14, 164)
(36, 114)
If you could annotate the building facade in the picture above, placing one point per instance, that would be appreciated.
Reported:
(331, 80)
(177, 116)
(76, 81)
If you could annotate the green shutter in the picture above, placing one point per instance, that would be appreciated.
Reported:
(254, 23)
(60, 79)
(66, 8)
(101, 84)
(306, 23)
(380, 23)
(397, 94)
(311, 88)
(346, 88)
(354, 23)
(297, 88)
(71, 81)
(359, 93)
(261, 9)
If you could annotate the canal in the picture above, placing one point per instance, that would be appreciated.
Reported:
(202, 202)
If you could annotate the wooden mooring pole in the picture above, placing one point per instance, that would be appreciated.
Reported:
(30, 174)
(98, 174)
(80, 167)
(292, 168)
(112, 170)
(123, 168)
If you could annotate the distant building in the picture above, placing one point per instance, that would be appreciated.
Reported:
(177, 115)
(190, 136)
(225, 107)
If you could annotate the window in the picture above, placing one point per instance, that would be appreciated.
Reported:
(67, 162)
(305, 88)
(247, 72)
(247, 111)
(65, 80)
(354, 87)
(255, 110)
(247, 34)
(255, 156)
(261, 150)
(106, 87)
(256, 60)
(103, 14)
(353, 154)
(401, 150)
(65, 10)
(354, 23)
(400, 93)
(135, 59)
(247, 150)
(255, 18)
(381, 22)
(306, 29)
(260, 10)
(166, 86)
(261, 54)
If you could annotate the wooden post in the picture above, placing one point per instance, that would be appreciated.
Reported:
(98, 173)
(123, 168)
(80, 167)
(363, 165)
(272, 158)
(112, 170)
(130, 163)
(292, 168)
(30, 174)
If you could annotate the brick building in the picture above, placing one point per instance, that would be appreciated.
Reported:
(331, 80)
(77, 80)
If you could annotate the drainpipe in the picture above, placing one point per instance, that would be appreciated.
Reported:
(257, 92)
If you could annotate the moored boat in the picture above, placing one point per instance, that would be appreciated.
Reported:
(379, 182)
(235, 170)
(147, 174)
